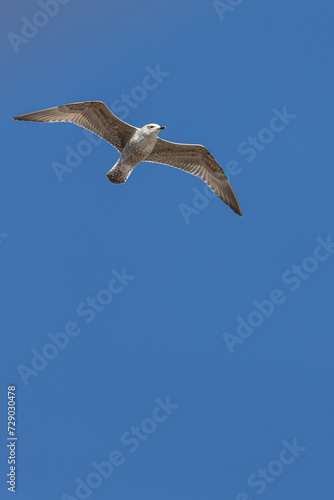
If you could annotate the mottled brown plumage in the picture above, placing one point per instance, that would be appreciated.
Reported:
(140, 144)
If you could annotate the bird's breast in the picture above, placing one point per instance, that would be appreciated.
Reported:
(138, 148)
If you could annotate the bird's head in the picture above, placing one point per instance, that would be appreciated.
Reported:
(152, 129)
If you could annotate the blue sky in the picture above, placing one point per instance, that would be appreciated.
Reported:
(158, 355)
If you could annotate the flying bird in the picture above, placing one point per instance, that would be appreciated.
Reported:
(140, 144)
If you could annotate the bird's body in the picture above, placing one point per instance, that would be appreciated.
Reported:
(137, 149)
(140, 144)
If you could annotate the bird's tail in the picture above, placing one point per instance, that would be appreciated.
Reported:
(118, 174)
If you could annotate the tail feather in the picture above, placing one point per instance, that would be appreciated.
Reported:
(118, 174)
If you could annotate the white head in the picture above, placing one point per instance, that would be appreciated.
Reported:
(152, 129)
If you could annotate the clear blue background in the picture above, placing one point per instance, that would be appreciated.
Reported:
(163, 335)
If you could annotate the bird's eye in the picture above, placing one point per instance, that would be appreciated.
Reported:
(151, 126)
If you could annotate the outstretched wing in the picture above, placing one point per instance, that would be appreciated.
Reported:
(92, 115)
(196, 160)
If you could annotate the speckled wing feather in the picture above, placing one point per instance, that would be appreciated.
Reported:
(196, 160)
(92, 115)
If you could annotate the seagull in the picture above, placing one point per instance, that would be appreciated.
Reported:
(140, 144)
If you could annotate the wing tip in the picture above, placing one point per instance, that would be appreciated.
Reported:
(236, 210)
(24, 118)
